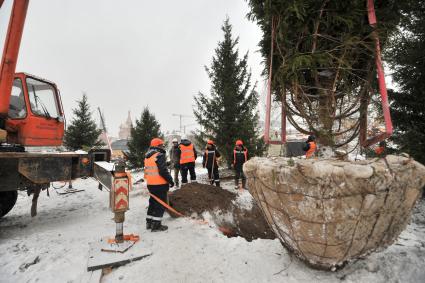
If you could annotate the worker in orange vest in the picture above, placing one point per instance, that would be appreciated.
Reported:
(380, 150)
(209, 161)
(187, 155)
(310, 147)
(240, 156)
(158, 181)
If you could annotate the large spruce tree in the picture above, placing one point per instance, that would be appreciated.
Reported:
(229, 112)
(407, 59)
(83, 131)
(147, 128)
(323, 61)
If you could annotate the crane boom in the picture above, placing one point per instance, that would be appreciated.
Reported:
(10, 55)
(102, 121)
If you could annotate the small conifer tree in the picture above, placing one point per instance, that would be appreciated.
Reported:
(146, 128)
(83, 131)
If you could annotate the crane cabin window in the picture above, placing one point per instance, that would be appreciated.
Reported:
(17, 109)
(42, 98)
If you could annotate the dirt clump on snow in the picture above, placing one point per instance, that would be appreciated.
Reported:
(234, 214)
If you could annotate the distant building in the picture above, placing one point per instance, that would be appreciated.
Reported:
(125, 128)
(119, 148)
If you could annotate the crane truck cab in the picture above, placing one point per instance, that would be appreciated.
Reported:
(35, 116)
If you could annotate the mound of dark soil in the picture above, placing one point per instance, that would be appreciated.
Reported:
(199, 198)
(251, 224)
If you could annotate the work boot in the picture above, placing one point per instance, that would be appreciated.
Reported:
(217, 183)
(158, 227)
(148, 223)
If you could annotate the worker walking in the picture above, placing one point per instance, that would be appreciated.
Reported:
(187, 156)
(209, 161)
(159, 181)
(240, 156)
(175, 161)
(310, 147)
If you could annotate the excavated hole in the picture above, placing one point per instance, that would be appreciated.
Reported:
(234, 214)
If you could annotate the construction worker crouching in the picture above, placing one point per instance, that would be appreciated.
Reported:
(175, 161)
(310, 147)
(158, 181)
(187, 156)
(240, 156)
(209, 160)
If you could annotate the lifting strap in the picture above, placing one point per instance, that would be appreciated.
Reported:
(269, 96)
(381, 81)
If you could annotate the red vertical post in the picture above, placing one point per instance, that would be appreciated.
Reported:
(381, 81)
(269, 90)
(10, 52)
(283, 118)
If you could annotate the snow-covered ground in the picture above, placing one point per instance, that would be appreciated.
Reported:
(57, 242)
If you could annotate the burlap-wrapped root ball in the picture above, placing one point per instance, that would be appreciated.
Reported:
(330, 211)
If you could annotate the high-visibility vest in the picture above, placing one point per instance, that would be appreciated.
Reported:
(187, 155)
(379, 150)
(152, 176)
(311, 150)
(245, 153)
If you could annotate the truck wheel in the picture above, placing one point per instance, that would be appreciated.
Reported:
(7, 201)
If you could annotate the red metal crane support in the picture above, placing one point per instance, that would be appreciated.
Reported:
(10, 52)
(269, 98)
(381, 81)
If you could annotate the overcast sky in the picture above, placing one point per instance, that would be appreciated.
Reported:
(130, 54)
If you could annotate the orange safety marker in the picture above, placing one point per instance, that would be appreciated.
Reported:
(130, 237)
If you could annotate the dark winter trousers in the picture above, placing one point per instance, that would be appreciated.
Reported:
(188, 167)
(238, 175)
(176, 175)
(213, 176)
(155, 209)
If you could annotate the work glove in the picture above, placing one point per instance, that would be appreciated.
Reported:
(171, 184)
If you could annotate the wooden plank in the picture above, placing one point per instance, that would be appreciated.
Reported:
(99, 259)
(117, 263)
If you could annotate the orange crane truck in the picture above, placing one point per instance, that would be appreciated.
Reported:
(31, 115)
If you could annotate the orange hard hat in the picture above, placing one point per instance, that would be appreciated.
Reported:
(210, 142)
(157, 142)
(239, 142)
